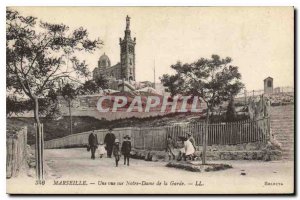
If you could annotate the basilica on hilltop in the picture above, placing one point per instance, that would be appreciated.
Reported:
(123, 71)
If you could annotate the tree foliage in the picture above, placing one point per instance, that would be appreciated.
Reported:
(37, 53)
(69, 91)
(215, 80)
(231, 113)
(102, 81)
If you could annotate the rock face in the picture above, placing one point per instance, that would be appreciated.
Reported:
(282, 128)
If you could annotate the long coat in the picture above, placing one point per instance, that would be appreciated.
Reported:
(126, 147)
(93, 140)
(116, 149)
(109, 139)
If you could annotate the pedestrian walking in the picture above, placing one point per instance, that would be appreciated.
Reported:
(109, 142)
(101, 150)
(126, 148)
(93, 144)
(116, 151)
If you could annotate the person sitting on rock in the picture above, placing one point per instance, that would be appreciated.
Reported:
(189, 149)
(191, 139)
(170, 147)
(181, 148)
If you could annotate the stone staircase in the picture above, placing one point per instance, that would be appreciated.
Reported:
(282, 127)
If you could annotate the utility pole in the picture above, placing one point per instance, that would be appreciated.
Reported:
(154, 75)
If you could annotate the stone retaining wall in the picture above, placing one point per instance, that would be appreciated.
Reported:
(251, 151)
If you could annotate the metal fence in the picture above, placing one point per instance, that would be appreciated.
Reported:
(231, 133)
(16, 143)
(154, 138)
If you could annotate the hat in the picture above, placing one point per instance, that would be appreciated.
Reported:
(189, 133)
(182, 138)
(117, 141)
(127, 136)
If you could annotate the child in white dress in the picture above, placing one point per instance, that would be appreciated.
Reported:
(101, 149)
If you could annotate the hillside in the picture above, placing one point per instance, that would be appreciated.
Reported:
(59, 128)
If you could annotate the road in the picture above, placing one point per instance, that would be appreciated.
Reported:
(75, 164)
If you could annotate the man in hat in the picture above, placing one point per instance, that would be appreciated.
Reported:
(109, 142)
(93, 143)
(126, 148)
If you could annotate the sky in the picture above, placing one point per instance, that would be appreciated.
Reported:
(260, 40)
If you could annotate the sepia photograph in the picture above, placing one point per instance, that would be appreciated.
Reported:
(150, 100)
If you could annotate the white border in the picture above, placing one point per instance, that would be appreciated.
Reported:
(5, 3)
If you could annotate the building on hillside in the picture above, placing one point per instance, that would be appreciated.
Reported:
(268, 85)
(123, 70)
(105, 68)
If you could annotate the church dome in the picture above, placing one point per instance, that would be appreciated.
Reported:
(104, 61)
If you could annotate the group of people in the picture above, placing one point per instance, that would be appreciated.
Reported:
(111, 146)
(187, 147)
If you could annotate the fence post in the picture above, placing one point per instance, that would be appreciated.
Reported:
(152, 140)
(25, 140)
(240, 132)
(268, 128)
(144, 139)
(39, 151)
(245, 94)
(205, 136)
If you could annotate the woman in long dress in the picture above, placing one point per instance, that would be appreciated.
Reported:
(188, 148)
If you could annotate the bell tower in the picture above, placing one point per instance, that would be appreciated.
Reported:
(127, 54)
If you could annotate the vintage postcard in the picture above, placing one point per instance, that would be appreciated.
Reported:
(150, 100)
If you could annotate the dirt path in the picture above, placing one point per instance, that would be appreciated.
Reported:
(76, 165)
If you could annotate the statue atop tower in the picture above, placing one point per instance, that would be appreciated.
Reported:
(127, 22)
